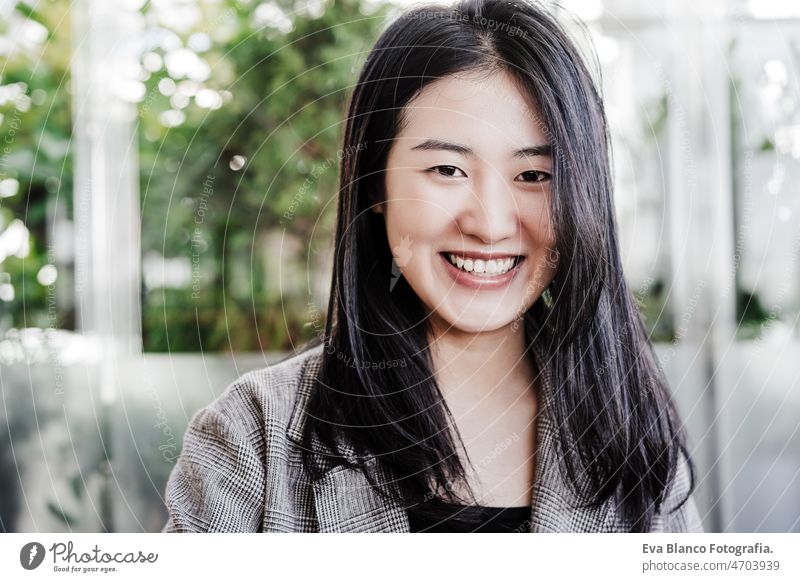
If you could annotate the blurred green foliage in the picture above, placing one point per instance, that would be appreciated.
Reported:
(35, 131)
(283, 98)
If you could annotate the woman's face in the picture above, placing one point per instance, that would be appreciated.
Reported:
(466, 209)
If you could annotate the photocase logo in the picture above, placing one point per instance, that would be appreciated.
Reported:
(401, 256)
(31, 555)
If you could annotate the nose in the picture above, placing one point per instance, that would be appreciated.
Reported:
(491, 213)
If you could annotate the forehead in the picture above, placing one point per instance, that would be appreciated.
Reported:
(477, 106)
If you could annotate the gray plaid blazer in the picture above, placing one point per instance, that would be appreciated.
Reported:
(240, 470)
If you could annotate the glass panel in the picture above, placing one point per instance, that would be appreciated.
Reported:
(766, 149)
(635, 66)
(761, 455)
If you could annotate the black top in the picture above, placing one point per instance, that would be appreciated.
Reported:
(451, 517)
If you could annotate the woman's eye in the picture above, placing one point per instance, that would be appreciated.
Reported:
(449, 171)
(534, 176)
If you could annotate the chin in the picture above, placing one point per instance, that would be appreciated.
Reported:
(469, 323)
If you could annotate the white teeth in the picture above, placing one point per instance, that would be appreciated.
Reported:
(485, 268)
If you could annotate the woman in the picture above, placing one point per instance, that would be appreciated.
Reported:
(483, 365)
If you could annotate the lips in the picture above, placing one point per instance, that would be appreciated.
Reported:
(486, 271)
(481, 254)
(486, 267)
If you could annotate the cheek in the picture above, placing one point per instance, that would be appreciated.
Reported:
(412, 213)
(539, 229)
(537, 224)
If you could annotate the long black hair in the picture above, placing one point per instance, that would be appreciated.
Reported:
(376, 389)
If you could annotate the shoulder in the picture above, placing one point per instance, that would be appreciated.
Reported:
(269, 394)
(218, 482)
(677, 512)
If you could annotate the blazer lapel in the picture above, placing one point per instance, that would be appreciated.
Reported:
(343, 498)
(346, 502)
(555, 506)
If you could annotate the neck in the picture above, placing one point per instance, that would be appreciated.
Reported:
(474, 366)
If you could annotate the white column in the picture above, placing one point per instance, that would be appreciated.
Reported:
(106, 206)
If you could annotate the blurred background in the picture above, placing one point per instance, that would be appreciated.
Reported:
(167, 180)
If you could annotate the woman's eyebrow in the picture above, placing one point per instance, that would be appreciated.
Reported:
(532, 151)
(438, 144)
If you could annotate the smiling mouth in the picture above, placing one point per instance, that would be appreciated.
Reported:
(484, 267)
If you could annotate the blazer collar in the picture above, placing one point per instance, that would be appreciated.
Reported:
(345, 502)
(343, 497)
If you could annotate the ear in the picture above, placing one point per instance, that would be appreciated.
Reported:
(377, 204)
